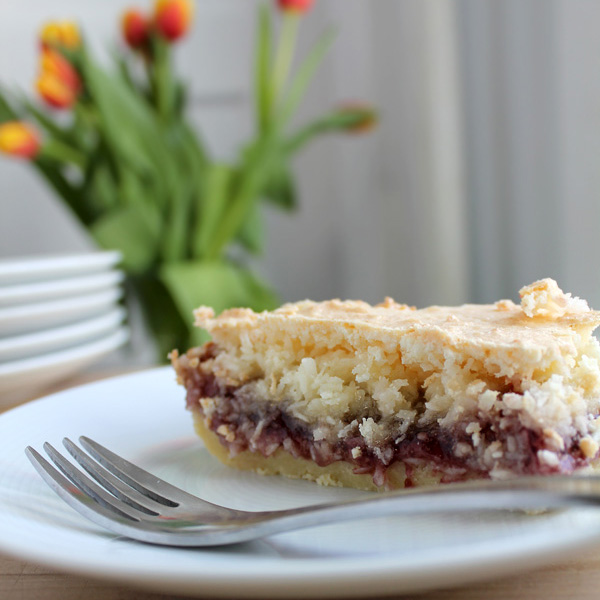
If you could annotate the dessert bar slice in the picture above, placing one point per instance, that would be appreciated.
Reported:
(386, 396)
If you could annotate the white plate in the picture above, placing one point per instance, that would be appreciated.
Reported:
(43, 268)
(60, 338)
(22, 379)
(24, 293)
(142, 417)
(16, 320)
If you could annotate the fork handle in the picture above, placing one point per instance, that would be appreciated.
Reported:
(529, 493)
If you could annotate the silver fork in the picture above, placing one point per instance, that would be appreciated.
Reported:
(129, 501)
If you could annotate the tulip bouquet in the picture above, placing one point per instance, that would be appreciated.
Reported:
(125, 159)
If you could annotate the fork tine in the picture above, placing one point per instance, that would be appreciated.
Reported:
(88, 487)
(142, 481)
(70, 493)
(114, 485)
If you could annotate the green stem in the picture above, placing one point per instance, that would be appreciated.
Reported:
(63, 153)
(333, 122)
(160, 75)
(285, 54)
(262, 67)
(254, 173)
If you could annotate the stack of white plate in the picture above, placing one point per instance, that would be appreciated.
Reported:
(58, 315)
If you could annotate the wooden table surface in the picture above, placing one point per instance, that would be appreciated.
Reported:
(577, 577)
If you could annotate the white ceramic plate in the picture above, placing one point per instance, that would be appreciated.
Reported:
(43, 268)
(16, 320)
(59, 338)
(142, 417)
(24, 293)
(22, 379)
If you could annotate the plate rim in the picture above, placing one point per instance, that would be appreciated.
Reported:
(119, 334)
(59, 305)
(81, 330)
(19, 269)
(55, 289)
(323, 576)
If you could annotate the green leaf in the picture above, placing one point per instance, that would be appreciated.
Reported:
(176, 241)
(216, 196)
(192, 147)
(125, 120)
(131, 191)
(303, 77)
(136, 139)
(128, 124)
(279, 187)
(101, 187)
(251, 233)
(7, 112)
(53, 175)
(162, 315)
(253, 173)
(63, 134)
(63, 153)
(134, 231)
(125, 71)
(262, 68)
(220, 285)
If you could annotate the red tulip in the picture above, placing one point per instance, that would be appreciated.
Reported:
(172, 18)
(136, 27)
(19, 139)
(297, 6)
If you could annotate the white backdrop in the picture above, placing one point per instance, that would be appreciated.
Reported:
(483, 175)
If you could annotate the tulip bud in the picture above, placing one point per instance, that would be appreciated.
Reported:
(135, 26)
(172, 18)
(19, 139)
(55, 64)
(296, 6)
(60, 34)
(58, 83)
(55, 92)
(360, 117)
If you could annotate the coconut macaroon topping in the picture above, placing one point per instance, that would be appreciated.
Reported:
(459, 392)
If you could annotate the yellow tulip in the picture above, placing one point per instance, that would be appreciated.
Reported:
(60, 34)
(19, 139)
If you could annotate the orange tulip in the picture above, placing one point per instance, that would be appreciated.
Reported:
(172, 18)
(135, 26)
(60, 34)
(56, 64)
(297, 6)
(58, 83)
(55, 92)
(19, 139)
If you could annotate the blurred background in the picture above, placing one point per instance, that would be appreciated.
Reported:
(482, 175)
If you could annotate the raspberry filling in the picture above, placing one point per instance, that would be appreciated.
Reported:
(243, 421)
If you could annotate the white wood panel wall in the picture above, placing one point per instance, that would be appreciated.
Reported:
(531, 81)
(510, 77)
(578, 115)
